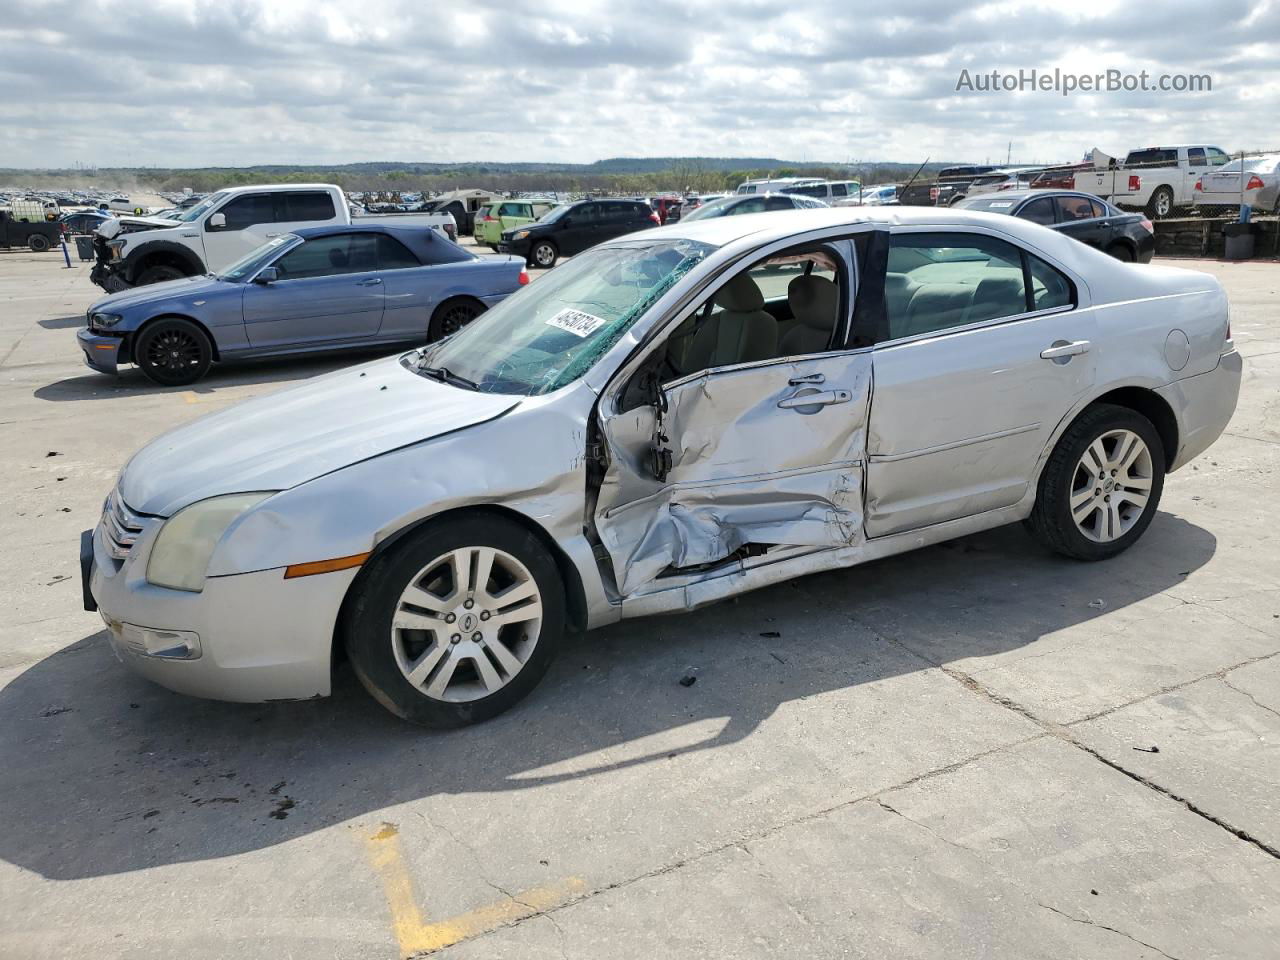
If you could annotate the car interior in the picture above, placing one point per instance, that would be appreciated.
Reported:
(785, 306)
(936, 282)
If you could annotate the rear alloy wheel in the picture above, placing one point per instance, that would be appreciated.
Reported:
(1161, 204)
(457, 624)
(544, 255)
(173, 352)
(1101, 486)
(451, 316)
(38, 242)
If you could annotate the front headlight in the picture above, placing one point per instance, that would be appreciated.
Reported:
(116, 247)
(104, 319)
(519, 234)
(182, 550)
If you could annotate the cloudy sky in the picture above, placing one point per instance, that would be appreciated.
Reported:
(225, 82)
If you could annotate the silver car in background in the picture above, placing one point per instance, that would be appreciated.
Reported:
(1261, 187)
(669, 419)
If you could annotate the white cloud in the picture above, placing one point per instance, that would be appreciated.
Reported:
(213, 82)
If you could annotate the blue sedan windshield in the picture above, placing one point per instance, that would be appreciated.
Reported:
(255, 260)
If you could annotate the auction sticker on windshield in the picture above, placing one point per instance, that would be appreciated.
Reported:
(576, 322)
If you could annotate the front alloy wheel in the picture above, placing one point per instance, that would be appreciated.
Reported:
(456, 622)
(466, 624)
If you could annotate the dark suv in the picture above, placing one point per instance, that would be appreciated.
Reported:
(574, 227)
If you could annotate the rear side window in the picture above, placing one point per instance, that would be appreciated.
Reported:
(940, 281)
(1154, 157)
(511, 210)
(839, 190)
(779, 203)
(394, 255)
(1195, 157)
(311, 205)
(329, 256)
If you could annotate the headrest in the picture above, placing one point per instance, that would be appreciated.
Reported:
(741, 295)
(813, 301)
(337, 257)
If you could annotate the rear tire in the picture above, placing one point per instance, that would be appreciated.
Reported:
(1121, 252)
(158, 274)
(1101, 486)
(38, 243)
(451, 316)
(173, 352)
(427, 630)
(1161, 203)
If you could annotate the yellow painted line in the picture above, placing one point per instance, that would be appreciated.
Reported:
(416, 936)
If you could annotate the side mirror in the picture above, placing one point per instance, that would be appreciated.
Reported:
(218, 221)
(267, 275)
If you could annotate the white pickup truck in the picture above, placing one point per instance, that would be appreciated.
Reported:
(222, 228)
(1157, 180)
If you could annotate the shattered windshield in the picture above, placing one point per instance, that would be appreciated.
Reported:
(195, 213)
(552, 332)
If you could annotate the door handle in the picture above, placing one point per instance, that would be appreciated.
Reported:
(819, 398)
(807, 378)
(272, 236)
(191, 234)
(372, 282)
(1065, 349)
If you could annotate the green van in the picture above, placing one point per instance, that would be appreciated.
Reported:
(506, 214)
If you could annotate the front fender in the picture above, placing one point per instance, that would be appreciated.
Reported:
(532, 462)
(136, 257)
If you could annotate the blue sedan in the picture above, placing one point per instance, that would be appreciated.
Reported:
(318, 289)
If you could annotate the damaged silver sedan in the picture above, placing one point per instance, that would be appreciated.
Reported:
(669, 419)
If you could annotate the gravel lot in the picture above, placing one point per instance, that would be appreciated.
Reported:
(976, 750)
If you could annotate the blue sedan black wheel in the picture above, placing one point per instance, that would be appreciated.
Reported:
(173, 352)
(451, 316)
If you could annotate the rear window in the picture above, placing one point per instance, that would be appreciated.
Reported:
(1155, 156)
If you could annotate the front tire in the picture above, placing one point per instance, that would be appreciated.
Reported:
(543, 255)
(158, 274)
(1102, 484)
(173, 352)
(457, 623)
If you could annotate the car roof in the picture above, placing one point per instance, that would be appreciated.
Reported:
(1024, 194)
(422, 240)
(764, 228)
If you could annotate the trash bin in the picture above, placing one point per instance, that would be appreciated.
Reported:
(1238, 241)
(84, 247)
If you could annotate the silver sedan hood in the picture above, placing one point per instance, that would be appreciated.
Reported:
(287, 438)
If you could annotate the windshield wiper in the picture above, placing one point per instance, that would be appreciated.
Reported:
(445, 375)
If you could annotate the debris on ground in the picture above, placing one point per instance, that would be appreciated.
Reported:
(1098, 604)
(1147, 749)
(688, 680)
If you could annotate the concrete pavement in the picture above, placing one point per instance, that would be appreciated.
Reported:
(975, 750)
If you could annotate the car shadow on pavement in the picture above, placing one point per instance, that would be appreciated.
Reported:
(62, 323)
(105, 773)
(131, 382)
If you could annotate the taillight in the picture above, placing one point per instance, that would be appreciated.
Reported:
(1199, 184)
(1135, 183)
(654, 218)
(488, 219)
(523, 278)
(933, 194)
(1255, 183)
(1147, 225)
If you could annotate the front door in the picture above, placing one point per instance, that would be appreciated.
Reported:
(249, 220)
(1083, 219)
(329, 290)
(973, 378)
(580, 229)
(760, 445)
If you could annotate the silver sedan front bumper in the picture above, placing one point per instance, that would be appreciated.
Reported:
(249, 637)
